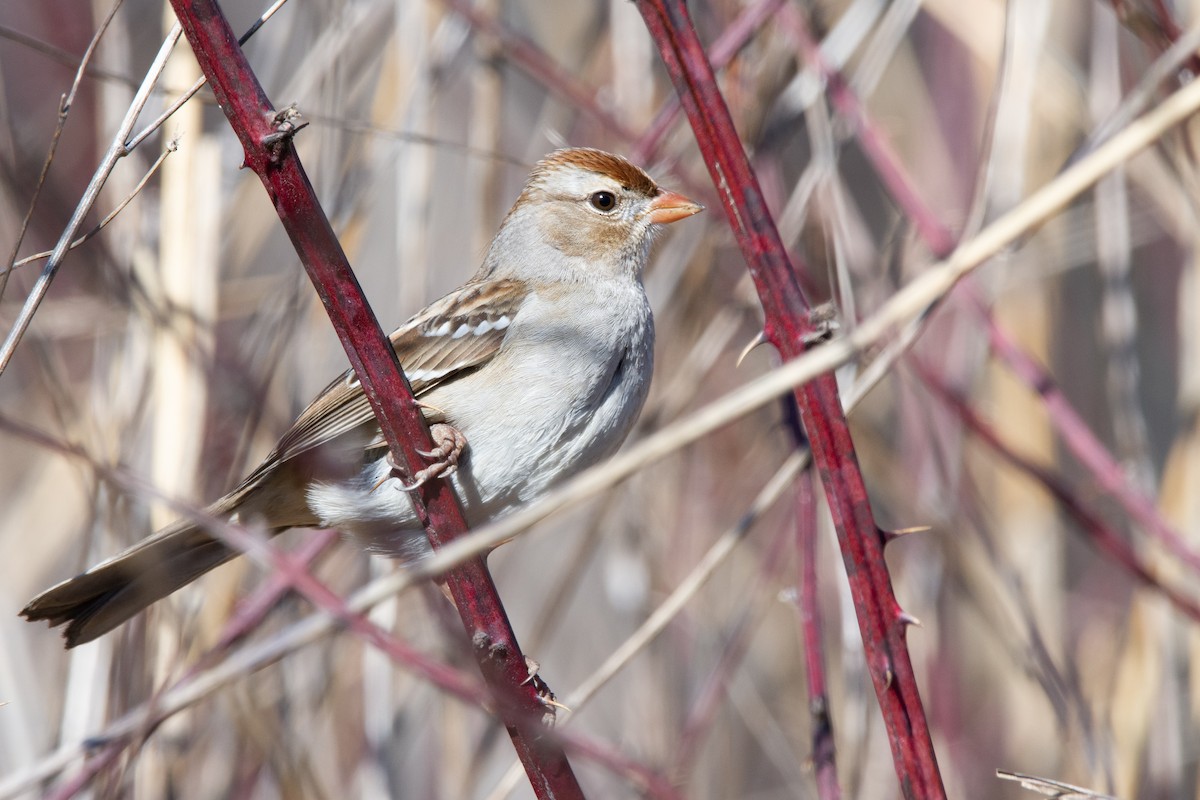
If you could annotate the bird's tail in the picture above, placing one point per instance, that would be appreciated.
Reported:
(95, 602)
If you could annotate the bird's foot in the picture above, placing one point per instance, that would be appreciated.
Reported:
(449, 444)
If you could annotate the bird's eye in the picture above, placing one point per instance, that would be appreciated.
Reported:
(603, 201)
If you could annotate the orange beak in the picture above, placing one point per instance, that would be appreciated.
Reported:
(670, 207)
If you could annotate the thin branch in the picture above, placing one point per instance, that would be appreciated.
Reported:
(541, 67)
(735, 645)
(172, 146)
(266, 136)
(123, 150)
(64, 109)
(1051, 788)
(733, 38)
(201, 81)
(286, 569)
(790, 328)
(875, 146)
(1084, 444)
(115, 152)
(903, 311)
(670, 608)
(907, 309)
(824, 755)
(1102, 535)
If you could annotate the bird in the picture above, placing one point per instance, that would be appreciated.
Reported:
(533, 370)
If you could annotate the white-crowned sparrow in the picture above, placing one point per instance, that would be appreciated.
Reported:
(541, 362)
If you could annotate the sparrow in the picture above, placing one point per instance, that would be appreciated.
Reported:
(532, 371)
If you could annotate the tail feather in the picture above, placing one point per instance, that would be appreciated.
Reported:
(95, 602)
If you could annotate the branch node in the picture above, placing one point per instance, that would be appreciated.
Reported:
(287, 125)
(489, 648)
(823, 325)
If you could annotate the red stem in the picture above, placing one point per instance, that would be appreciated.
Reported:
(733, 38)
(1071, 427)
(266, 140)
(887, 165)
(537, 64)
(824, 754)
(737, 643)
(1102, 535)
(250, 612)
(1080, 440)
(881, 621)
(1153, 22)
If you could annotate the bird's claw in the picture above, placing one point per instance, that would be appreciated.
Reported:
(448, 446)
(429, 473)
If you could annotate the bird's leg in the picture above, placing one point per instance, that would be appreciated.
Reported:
(448, 446)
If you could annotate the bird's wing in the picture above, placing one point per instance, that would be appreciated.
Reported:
(450, 338)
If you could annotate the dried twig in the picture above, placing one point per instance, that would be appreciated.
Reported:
(116, 151)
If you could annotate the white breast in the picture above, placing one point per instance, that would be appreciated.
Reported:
(561, 395)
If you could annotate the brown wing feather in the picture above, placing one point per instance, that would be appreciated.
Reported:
(430, 352)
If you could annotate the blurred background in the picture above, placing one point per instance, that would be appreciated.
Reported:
(180, 341)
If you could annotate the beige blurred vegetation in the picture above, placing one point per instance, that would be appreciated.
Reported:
(181, 341)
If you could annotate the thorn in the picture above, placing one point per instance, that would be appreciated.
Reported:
(417, 484)
(888, 677)
(553, 703)
(889, 536)
(429, 407)
(905, 618)
(760, 338)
